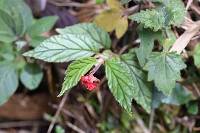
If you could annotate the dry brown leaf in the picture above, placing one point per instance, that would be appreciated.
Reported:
(185, 38)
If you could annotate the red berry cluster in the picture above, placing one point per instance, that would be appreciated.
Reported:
(90, 82)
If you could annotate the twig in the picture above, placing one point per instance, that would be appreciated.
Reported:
(57, 113)
(74, 127)
(151, 120)
(21, 124)
(188, 4)
(196, 89)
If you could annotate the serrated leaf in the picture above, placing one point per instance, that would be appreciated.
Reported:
(42, 25)
(75, 71)
(147, 38)
(64, 48)
(20, 13)
(197, 55)
(119, 82)
(179, 96)
(164, 68)
(31, 76)
(142, 88)
(170, 12)
(8, 81)
(92, 30)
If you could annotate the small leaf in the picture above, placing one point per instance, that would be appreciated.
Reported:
(147, 38)
(164, 68)
(31, 76)
(170, 12)
(8, 81)
(197, 55)
(121, 27)
(92, 30)
(42, 25)
(192, 107)
(75, 71)
(119, 82)
(64, 48)
(142, 88)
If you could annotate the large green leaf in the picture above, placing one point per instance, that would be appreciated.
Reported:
(63, 48)
(7, 32)
(90, 29)
(147, 38)
(8, 81)
(164, 68)
(119, 82)
(20, 13)
(31, 76)
(142, 88)
(170, 12)
(197, 55)
(6, 52)
(75, 71)
(42, 25)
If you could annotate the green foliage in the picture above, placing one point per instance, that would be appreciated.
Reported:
(91, 31)
(192, 107)
(31, 76)
(8, 81)
(197, 56)
(74, 72)
(164, 68)
(141, 87)
(170, 12)
(119, 82)
(147, 38)
(179, 96)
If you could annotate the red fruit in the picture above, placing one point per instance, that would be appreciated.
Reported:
(90, 82)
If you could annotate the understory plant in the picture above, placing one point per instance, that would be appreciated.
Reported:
(18, 31)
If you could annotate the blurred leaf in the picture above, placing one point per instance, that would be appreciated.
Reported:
(180, 95)
(20, 13)
(197, 55)
(64, 48)
(8, 81)
(147, 38)
(91, 30)
(6, 52)
(113, 19)
(164, 68)
(36, 41)
(100, 1)
(170, 12)
(42, 25)
(7, 33)
(59, 129)
(75, 71)
(31, 76)
(141, 90)
(192, 107)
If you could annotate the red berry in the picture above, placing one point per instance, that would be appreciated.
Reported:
(90, 82)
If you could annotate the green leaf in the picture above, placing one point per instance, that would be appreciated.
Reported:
(59, 129)
(8, 81)
(164, 68)
(179, 96)
(36, 41)
(75, 71)
(91, 30)
(192, 107)
(6, 52)
(42, 25)
(147, 38)
(31, 76)
(170, 12)
(119, 82)
(197, 55)
(7, 33)
(141, 90)
(63, 48)
(20, 13)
